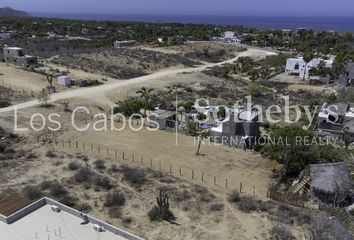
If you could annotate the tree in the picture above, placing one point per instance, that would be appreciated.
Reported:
(347, 138)
(146, 95)
(202, 135)
(307, 56)
(50, 80)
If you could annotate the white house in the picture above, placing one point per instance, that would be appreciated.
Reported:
(64, 80)
(229, 34)
(297, 66)
(5, 36)
(230, 37)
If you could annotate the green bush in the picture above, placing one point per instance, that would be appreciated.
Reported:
(129, 107)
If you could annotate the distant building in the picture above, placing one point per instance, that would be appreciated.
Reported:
(64, 81)
(335, 118)
(167, 120)
(297, 66)
(5, 36)
(347, 79)
(240, 129)
(15, 55)
(122, 44)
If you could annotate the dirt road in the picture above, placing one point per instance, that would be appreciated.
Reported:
(98, 92)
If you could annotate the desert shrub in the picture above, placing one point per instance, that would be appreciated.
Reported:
(73, 166)
(51, 154)
(57, 190)
(115, 199)
(115, 212)
(83, 207)
(216, 207)
(247, 205)
(103, 182)
(324, 228)
(99, 164)
(114, 168)
(46, 185)
(204, 194)
(133, 175)
(68, 200)
(32, 192)
(281, 232)
(127, 220)
(234, 197)
(2, 148)
(154, 214)
(82, 175)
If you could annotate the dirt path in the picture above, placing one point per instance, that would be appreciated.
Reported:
(98, 92)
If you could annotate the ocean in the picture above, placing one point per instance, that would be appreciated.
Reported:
(339, 24)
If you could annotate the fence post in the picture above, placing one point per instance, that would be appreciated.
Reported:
(91, 147)
(254, 190)
(83, 146)
(107, 151)
(142, 160)
(192, 174)
(214, 180)
(170, 168)
(226, 183)
(240, 187)
(202, 176)
(115, 153)
(69, 143)
(77, 145)
(62, 142)
(160, 166)
(151, 162)
(123, 155)
(98, 148)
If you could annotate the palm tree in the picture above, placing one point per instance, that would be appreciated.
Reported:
(145, 94)
(308, 56)
(201, 136)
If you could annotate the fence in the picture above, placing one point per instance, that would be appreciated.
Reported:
(17, 89)
(289, 198)
(126, 157)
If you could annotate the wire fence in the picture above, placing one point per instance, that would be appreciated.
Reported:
(128, 157)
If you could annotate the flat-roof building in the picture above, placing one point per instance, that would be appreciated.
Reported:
(48, 219)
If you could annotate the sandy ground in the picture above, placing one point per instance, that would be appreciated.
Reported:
(20, 78)
(99, 91)
(199, 223)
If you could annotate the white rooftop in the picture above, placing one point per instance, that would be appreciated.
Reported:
(48, 225)
(38, 221)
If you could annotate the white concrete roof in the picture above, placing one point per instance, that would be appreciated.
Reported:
(44, 224)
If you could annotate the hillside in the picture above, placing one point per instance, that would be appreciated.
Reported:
(9, 12)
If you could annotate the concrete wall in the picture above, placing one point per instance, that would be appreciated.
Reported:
(25, 211)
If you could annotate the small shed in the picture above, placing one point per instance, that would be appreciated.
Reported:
(166, 120)
(323, 181)
(64, 80)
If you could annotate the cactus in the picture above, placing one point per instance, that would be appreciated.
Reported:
(164, 207)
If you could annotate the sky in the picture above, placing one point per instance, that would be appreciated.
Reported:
(190, 7)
